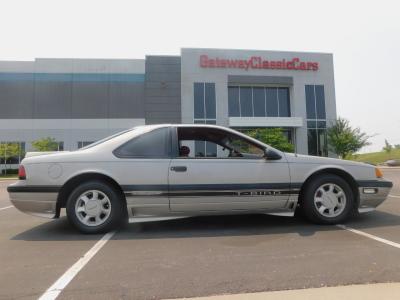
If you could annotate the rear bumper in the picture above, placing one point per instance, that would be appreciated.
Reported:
(373, 193)
(34, 200)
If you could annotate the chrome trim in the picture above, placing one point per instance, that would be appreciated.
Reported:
(205, 193)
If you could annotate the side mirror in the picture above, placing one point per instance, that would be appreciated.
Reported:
(271, 155)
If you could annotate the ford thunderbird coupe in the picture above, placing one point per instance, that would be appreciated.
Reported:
(158, 172)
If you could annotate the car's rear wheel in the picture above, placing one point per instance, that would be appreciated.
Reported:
(328, 199)
(95, 207)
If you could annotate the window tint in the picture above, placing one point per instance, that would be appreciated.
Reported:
(244, 147)
(272, 102)
(209, 143)
(199, 112)
(312, 142)
(317, 142)
(204, 101)
(320, 101)
(310, 102)
(199, 148)
(210, 100)
(153, 144)
(259, 102)
(284, 104)
(246, 103)
(233, 102)
(316, 123)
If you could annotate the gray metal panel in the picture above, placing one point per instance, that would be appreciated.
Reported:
(163, 89)
(162, 60)
(16, 99)
(163, 68)
(156, 76)
(89, 100)
(126, 100)
(252, 79)
(53, 100)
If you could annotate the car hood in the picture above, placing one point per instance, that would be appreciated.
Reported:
(299, 158)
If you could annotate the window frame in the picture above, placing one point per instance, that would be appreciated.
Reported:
(175, 145)
(168, 147)
(206, 117)
(272, 105)
(316, 118)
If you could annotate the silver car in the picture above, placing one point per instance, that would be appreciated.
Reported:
(171, 171)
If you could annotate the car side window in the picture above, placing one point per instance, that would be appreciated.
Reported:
(153, 144)
(244, 147)
(203, 142)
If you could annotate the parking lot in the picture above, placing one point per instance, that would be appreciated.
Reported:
(198, 256)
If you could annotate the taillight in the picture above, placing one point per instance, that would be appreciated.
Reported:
(21, 173)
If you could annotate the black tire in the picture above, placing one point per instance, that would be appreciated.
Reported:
(116, 205)
(309, 208)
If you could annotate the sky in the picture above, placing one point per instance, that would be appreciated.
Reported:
(364, 37)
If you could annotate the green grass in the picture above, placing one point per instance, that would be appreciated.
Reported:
(376, 157)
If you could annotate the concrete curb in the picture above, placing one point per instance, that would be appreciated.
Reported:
(387, 291)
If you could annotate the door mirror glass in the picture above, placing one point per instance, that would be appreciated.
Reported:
(270, 154)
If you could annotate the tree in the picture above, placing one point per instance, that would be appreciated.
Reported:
(345, 140)
(388, 147)
(45, 144)
(7, 151)
(273, 137)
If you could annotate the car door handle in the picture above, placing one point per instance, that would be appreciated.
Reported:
(178, 168)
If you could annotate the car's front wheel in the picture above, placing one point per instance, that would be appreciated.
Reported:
(328, 199)
(95, 207)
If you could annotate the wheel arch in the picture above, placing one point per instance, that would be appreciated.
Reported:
(75, 180)
(335, 171)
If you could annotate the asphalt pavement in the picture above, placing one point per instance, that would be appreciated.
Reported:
(198, 256)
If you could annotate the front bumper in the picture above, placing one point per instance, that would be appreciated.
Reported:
(34, 200)
(372, 194)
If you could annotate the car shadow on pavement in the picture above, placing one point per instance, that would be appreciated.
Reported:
(210, 226)
(55, 230)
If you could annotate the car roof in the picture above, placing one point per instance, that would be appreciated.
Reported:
(184, 125)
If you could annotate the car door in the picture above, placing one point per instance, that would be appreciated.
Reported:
(222, 183)
(142, 167)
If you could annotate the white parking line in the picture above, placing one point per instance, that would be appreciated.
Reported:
(371, 236)
(3, 208)
(395, 196)
(58, 286)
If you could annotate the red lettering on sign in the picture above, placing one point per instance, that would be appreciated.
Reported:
(256, 62)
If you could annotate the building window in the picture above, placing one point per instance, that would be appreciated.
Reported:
(204, 101)
(205, 113)
(84, 144)
(316, 120)
(247, 101)
(60, 146)
(287, 132)
(11, 152)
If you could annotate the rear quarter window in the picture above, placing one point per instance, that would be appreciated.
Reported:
(153, 144)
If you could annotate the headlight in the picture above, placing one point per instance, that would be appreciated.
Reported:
(378, 173)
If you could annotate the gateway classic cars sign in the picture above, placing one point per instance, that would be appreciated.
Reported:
(257, 62)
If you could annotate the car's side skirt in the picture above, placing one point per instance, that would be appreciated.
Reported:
(204, 199)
